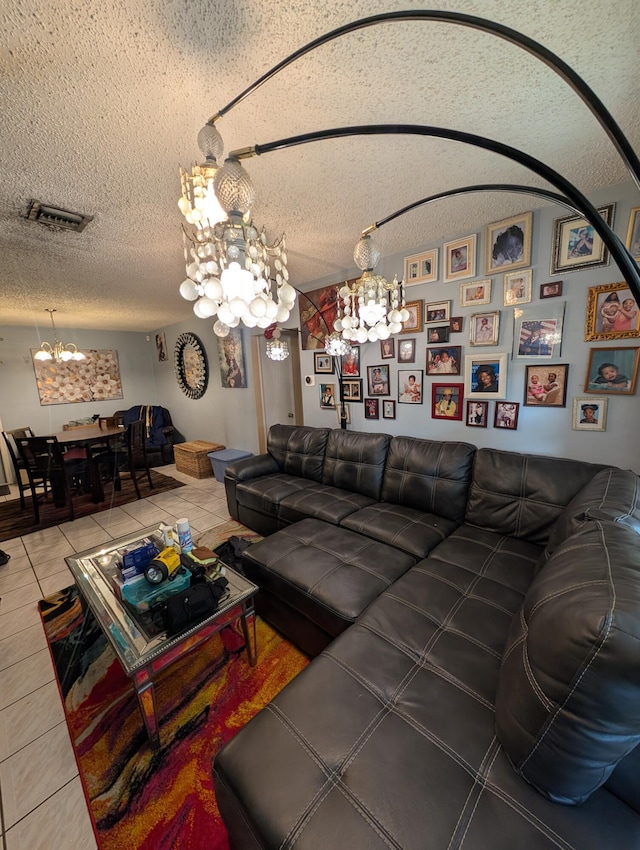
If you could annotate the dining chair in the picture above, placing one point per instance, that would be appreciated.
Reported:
(22, 480)
(128, 454)
(44, 461)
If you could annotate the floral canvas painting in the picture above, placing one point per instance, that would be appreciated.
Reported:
(95, 379)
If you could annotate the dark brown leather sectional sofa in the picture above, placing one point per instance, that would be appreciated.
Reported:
(477, 615)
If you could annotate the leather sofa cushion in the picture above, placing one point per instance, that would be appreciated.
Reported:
(355, 461)
(326, 573)
(523, 495)
(322, 502)
(298, 449)
(428, 475)
(569, 689)
(415, 532)
(265, 494)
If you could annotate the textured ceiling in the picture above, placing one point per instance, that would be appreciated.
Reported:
(103, 101)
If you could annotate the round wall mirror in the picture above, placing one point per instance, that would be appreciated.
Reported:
(192, 371)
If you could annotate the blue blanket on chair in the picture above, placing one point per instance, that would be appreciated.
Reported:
(153, 417)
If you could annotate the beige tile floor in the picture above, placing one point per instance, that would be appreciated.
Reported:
(42, 805)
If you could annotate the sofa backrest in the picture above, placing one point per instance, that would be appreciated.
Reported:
(298, 449)
(355, 461)
(429, 476)
(523, 495)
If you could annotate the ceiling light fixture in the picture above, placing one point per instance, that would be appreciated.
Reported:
(58, 351)
(277, 349)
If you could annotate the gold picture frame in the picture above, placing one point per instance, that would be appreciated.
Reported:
(421, 268)
(414, 323)
(459, 259)
(602, 319)
(576, 245)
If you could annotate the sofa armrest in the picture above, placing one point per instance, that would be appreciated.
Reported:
(252, 467)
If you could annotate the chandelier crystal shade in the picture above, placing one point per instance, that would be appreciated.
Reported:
(277, 349)
(59, 352)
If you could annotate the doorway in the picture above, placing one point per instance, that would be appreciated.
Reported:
(278, 387)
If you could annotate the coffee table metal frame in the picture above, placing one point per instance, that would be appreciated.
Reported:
(143, 657)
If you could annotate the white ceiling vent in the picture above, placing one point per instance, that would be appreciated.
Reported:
(56, 218)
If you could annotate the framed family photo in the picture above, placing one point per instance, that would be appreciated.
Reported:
(352, 389)
(576, 245)
(612, 370)
(328, 396)
(485, 377)
(476, 293)
(446, 401)
(612, 313)
(508, 244)
(444, 361)
(537, 331)
(551, 290)
(517, 288)
(414, 322)
(546, 386)
(589, 414)
(484, 328)
(388, 409)
(455, 324)
(371, 408)
(322, 363)
(378, 380)
(410, 386)
(633, 234)
(421, 268)
(406, 351)
(477, 414)
(459, 258)
(437, 312)
(439, 333)
(387, 348)
(506, 415)
(351, 363)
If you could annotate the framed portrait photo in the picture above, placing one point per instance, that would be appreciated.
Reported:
(459, 258)
(633, 234)
(421, 268)
(538, 338)
(612, 313)
(589, 413)
(505, 415)
(351, 363)
(508, 244)
(437, 312)
(484, 328)
(576, 245)
(444, 361)
(410, 386)
(612, 370)
(517, 288)
(387, 348)
(455, 324)
(546, 386)
(371, 408)
(476, 293)
(477, 414)
(553, 289)
(322, 363)
(406, 351)
(352, 389)
(438, 333)
(414, 322)
(378, 380)
(485, 377)
(446, 401)
(344, 412)
(328, 396)
(388, 409)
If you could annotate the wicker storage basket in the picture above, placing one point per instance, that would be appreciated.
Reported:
(192, 458)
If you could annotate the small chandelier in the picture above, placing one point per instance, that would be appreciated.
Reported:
(372, 308)
(228, 262)
(277, 349)
(58, 351)
(336, 345)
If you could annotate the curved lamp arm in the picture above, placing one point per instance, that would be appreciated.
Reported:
(573, 80)
(623, 258)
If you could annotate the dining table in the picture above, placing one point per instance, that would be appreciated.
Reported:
(85, 437)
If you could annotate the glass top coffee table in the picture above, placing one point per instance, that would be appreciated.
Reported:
(138, 639)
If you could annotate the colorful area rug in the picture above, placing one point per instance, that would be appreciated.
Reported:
(159, 799)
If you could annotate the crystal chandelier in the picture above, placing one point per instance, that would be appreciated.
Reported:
(372, 308)
(336, 345)
(277, 349)
(231, 268)
(58, 351)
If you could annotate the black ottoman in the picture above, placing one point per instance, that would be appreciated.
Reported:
(316, 579)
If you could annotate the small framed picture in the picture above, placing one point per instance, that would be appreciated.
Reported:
(446, 401)
(477, 414)
(351, 363)
(378, 380)
(410, 386)
(508, 244)
(406, 351)
(633, 234)
(352, 389)
(455, 324)
(612, 313)
(476, 293)
(161, 347)
(344, 412)
(438, 312)
(388, 409)
(506, 415)
(459, 258)
(328, 396)
(322, 363)
(546, 386)
(444, 361)
(421, 268)
(517, 288)
(539, 337)
(576, 245)
(589, 414)
(439, 333)
(553, 289)
(414, 322)
(485, 377)
(371, 408)
(387, 348)
(612, 370)
(484, 328)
